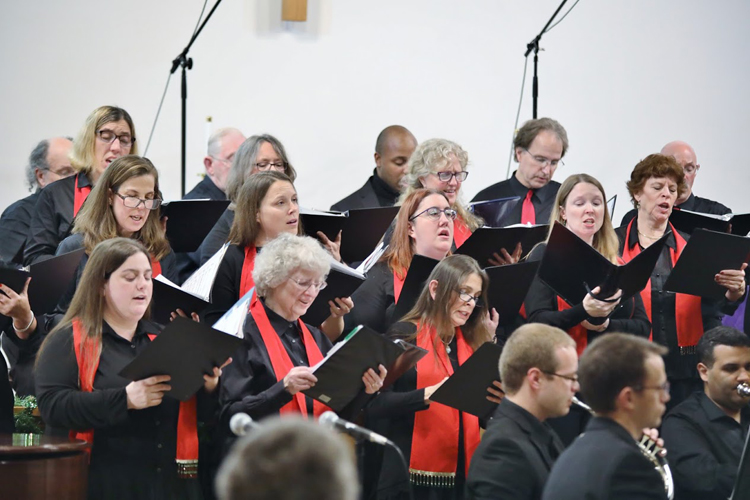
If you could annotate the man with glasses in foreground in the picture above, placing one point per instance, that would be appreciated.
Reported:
(538, 369)
(222, 145)
(539, 147)
(623, 380)
(706, 433)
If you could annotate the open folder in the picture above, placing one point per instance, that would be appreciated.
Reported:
(688, 221)
(416, 278)
(185, 350)
(361, 228)
(466, 389)
(488, 240)
(508, 288)
(168, 297)
(707, 253)
(342, 282)
(340, 372)
(190, 221)
(571, 267)
(497, 213)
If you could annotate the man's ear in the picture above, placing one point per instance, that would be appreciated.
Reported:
(377, 159)
(208, 163)
(703, 372)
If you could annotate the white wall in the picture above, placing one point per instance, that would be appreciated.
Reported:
(624, 77)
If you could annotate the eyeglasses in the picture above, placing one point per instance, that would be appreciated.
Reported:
(446, 176)
(569, 378)
(135, 202)
(467, 297)
(306, 284)
(63, 172)
(276, 165)
(544, 161)
(108, 136)
(665, 387)
(433, 213)
(690, 168)
(225, 160)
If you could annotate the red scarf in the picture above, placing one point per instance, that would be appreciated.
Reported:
(79, 196)
(155, 268)
(461, 231)
(246, 281)
(187, 421)
(434, 446)
(687, 308)
(280, 360)
(398, 285)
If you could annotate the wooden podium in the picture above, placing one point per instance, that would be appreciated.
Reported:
(34, 466)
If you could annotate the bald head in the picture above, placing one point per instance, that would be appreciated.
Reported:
(393, 148)
(685, 156)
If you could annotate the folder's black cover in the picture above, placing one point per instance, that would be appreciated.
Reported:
(168, 299)
(488, 240)
(339, 285)
(688, 221)
(185, 350)
(508, 288)
(340, 374)
(14, 279)
(50, 279)
(707, 253)
(569, 264)
(466, 389)
(415, 281)
(361, 229)
(496, 213)
(190, 221)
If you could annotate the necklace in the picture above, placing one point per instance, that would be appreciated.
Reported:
(649, 237)
(448, 344)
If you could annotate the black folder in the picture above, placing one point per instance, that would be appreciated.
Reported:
(707, 253)
(688, 221)
(340, 284)
(498, 212)
(570, 265)
(488, 240)
(14, 279)
(416, 277)
(340, 373)
(185, 350)
(190, 221)
(466, 389)
(508, 288)
(361, 228)
(741, 489)
(168, 298)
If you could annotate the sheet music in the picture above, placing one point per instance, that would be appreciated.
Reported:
(344, 269)
(163, 279)
(372, 259)
(201, 281)
(234, 319)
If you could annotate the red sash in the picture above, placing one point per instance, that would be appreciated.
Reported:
(79, 196)
(280, 360)
(398, 285)
(187, 420)
(578, 332)
(155, 268)
(461, 232)
(246, 281)
(434, 448)
(687, 308)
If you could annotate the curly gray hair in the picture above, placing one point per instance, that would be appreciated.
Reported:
(284, 255)
(430, 156)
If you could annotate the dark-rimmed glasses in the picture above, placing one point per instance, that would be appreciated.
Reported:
(569, 378)
(135, 202)
(276, 165)
(108, 136)
(446, 176)
(433, 213)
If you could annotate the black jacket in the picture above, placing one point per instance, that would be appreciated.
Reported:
(205, 189)
(375, 193)
(14, 228)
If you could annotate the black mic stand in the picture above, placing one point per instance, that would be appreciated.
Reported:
(187, 63)
(534, 45)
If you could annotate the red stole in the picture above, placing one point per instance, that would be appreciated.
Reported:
(187, 420)
(434, 447)
(461, 231)
(280, 360)
(79, 196)
(155, 268)
(246, 281)
(398, 285)
(687, 308)
(578, 332)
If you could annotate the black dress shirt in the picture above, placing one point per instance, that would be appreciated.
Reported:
(705, 445)
(374, 301)
(14, 228)
(543, 198)
(693, 203)
(226, 289)
(205, 189)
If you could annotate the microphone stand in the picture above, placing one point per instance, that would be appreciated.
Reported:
(534, 45)
(186, 63)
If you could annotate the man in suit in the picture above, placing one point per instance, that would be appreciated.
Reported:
(539, 147)
(393, 148)
(623, 380)
(538, 368)
(222, 145)
(685, 156)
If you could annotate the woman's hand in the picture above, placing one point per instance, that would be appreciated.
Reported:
(734, 281)
(595, 328)
(16, 306)
(429, 391)
(598, 308)
(504, 258)
(333, 325)
(147, 392)
(180, 312)
(210, 382)
(299, 378)
(341, 306)
(333, 247)
(374, 381)
(492, 320)
(495, 391)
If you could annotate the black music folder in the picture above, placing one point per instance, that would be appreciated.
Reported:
(416, 278)
(508, 288)
(190, 221)
(466, 389)
(185, 350)
(496, 213)
(361, 228)
(168, 297)
(570, 265)
(488, 240)
(340, 373)
(707, 253)
(342, 282)
(741, 489)
(688, 221)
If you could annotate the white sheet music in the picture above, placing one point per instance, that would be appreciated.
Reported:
(234, 319)
(201, 281)
(372, 259)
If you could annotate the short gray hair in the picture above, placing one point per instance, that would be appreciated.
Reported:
(289, 458)
(284, 255)
(37, 160)
(244, 161)
(214, 141)
(432, 155)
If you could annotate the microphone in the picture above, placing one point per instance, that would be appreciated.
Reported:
(331, 420)
(241, 424)
(743, 390)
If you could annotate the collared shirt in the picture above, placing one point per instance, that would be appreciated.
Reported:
(705, 445)
(543, 198)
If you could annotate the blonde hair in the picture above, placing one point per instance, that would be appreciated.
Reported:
(82, 157)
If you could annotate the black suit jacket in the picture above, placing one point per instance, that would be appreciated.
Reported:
(514, 458)
(605, 463)
(363, 197)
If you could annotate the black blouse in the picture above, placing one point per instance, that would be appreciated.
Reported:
(226, 289)
(374, 301)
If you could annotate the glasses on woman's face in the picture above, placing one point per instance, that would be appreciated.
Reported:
(467, 297)
(109, 136)
(446, 176)
(264, 166)
(306, 284)
(433, 213)
(135, 202)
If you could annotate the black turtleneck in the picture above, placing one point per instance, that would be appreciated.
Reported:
(387, 196)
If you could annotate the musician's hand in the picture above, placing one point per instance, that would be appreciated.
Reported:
(653, 435)
(504, 258)
(429, 391)
(299, 378)
(180, 312)
(374, 381)
(734, 281)
(211, 381)
(496, 393)
(598, 308)
(147, 392)
(492, 320)
(333, 247)
(595, 328)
